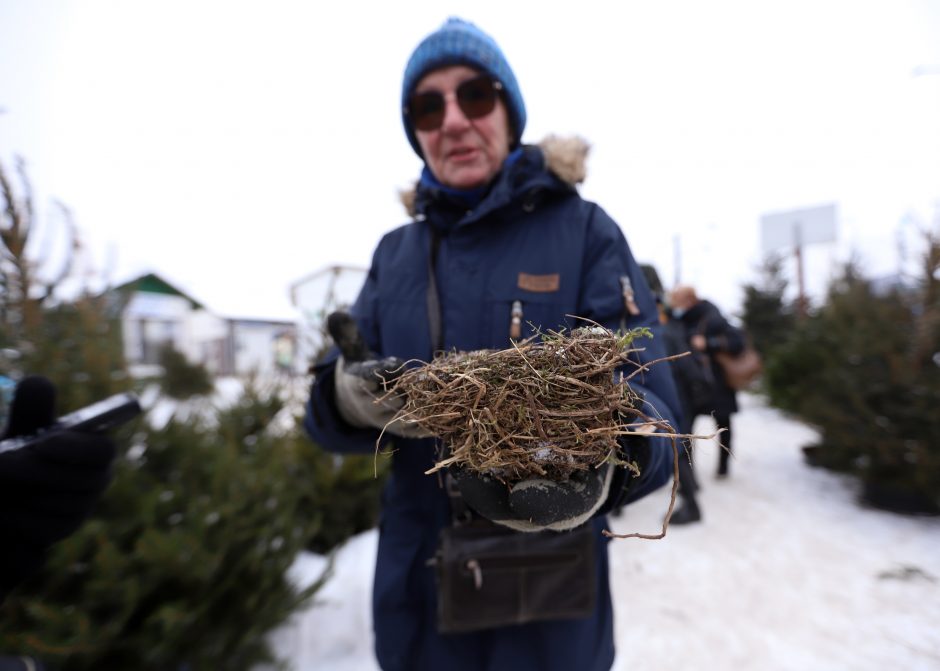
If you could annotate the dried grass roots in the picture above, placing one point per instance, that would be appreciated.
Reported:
(545, 408)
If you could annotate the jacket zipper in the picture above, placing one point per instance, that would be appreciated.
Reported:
(629, 296)
(515, 325)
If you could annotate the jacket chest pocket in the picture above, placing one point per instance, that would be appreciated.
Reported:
(520, 315)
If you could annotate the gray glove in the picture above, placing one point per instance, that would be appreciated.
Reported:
(536, 504)
(362, 379)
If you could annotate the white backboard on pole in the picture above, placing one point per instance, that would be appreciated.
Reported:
(792, 228)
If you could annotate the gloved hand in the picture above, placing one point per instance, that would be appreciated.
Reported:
(48, 487)
(361, 378)
(535, 504)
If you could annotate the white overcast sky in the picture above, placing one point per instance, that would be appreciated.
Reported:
(236, 147)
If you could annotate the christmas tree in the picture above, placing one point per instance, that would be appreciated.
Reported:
(864, 369)
(184, 562)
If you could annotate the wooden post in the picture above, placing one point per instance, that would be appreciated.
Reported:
(801, 308)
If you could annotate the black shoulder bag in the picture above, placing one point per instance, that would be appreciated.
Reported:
(491, 576)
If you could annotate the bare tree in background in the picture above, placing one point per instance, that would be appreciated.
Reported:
(72, 337)
(25, 292)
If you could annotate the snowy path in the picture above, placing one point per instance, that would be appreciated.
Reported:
(786, 572)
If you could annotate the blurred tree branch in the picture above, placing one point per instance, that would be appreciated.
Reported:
(25, 294)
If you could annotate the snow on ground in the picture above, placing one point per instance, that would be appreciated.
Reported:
(786, 572)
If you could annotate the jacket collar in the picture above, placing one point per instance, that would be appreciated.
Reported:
(530, 172)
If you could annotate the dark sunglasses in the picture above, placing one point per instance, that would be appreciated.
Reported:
(475, 97)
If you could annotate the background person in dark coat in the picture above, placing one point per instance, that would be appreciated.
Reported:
(498, 231)
(695, 388)
(708, 331)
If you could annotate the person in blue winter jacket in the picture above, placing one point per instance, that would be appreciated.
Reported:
(500, 244)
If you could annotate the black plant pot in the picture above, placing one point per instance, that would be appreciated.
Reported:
(826, 456)
(897, 499)
(811, 455)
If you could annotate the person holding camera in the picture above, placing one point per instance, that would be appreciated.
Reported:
(48, 488)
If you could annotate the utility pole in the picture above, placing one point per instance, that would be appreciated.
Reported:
(900, 239)
(676, 260)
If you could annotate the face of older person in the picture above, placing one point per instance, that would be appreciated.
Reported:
(463, 153)
(683, 298)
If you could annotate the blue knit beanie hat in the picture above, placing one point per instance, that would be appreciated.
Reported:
(460, 42)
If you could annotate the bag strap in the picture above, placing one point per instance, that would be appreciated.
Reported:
(433, 298)
(460, 512)
(458, 507)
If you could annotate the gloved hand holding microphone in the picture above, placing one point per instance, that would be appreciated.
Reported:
(361, 379)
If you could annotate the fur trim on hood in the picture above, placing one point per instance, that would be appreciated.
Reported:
(565, 157)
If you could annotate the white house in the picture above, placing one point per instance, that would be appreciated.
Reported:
(154, 313)
(262, 346)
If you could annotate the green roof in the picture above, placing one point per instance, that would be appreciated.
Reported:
(153, 284)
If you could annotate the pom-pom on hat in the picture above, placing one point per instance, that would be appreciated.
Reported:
(459, 42)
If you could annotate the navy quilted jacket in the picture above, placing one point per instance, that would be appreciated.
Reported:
(532, 239)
